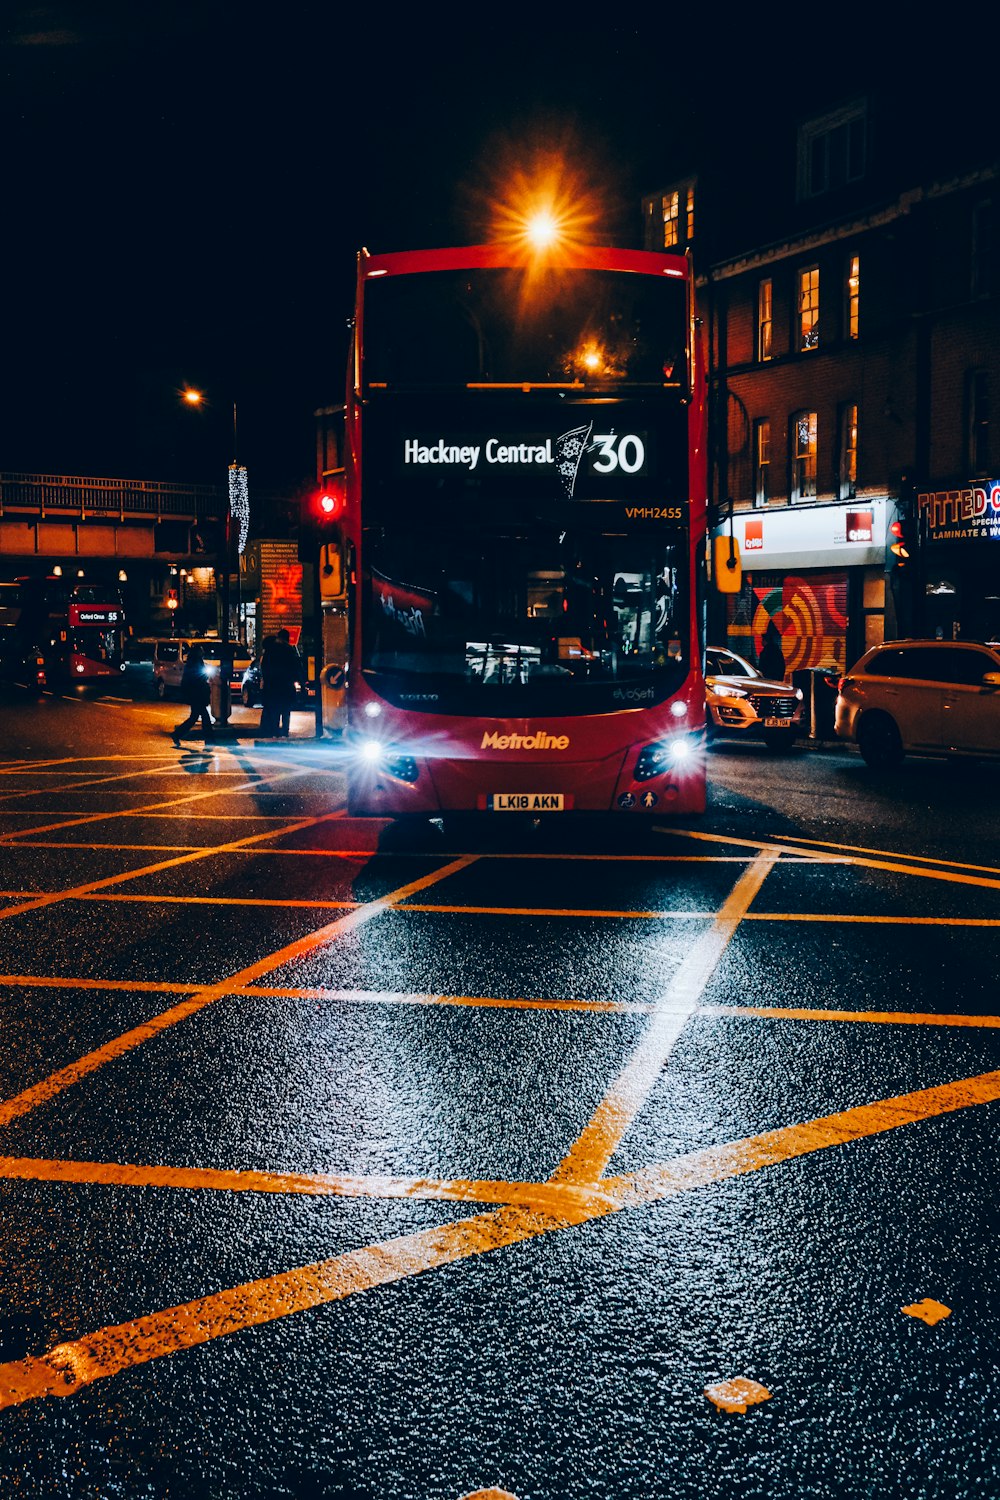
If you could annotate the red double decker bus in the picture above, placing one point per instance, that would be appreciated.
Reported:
(525, 522)
(77, 629)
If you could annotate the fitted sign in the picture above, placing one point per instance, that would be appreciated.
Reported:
(960, 515)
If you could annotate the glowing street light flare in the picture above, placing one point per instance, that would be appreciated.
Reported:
(545, 207)
(192, 397)
(542, 229)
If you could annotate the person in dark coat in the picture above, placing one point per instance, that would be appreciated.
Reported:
(196, 691)
(268, 718)
(772, 659)
(280, 676)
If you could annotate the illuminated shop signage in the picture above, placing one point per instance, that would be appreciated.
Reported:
(958, 515)
(859, 525)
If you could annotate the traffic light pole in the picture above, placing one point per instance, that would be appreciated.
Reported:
(317, 624)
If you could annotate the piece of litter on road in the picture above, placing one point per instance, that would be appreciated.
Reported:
(928, 1311)
(737, 1395)
(489, 1495)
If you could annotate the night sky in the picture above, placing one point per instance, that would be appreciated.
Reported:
(186, 186)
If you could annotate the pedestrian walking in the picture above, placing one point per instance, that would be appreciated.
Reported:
(196, 691)
(772, 659)
(281, 676)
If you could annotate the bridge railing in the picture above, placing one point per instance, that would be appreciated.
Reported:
(85, 496)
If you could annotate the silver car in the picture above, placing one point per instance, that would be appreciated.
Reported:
(740, 703)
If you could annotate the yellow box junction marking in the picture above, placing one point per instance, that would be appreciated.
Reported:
(589, 1155)
(570, 1198)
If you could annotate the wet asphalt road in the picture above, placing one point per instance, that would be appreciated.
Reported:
(340, 1160)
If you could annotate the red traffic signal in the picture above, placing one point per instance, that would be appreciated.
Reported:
(330, 502)
(900, 544)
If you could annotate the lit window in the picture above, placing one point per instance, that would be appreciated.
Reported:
(765, 320)
(832, 151)
(809, 308)
(804, 427)
(979, 422)
(762, 460)
(849, 451)
(671, 204)
(853, 295)
(690, 214)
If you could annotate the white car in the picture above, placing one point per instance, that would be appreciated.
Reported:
(168, 663)
(739, 702)
(938, 697)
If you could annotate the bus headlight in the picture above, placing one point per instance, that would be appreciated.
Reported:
(376, 754)
(657, 759)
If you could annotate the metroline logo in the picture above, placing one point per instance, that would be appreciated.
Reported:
(540, 740)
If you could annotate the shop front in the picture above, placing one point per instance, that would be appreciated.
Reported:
(816, 572)
(960, 562)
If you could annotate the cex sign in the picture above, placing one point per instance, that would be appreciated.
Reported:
(753, 536)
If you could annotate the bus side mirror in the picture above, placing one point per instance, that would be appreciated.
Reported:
(726, 565)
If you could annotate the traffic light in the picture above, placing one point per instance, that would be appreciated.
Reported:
(329, 507)
(329, 504)
(320, 518)
(901, 542)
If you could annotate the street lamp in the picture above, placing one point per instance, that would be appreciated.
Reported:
(238, 505)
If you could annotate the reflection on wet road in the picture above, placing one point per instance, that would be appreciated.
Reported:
(339, 1160)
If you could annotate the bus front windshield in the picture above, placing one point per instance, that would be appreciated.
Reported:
(98, 643)
(491, 326)
(527, 618)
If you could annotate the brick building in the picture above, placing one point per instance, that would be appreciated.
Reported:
(848, 285)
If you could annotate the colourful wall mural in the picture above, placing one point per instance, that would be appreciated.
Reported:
(810, 613)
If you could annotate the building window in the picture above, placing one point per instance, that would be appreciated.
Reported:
(853, 295)
(982, 227)
(690, 214)
(765, 319)
(804, 428)
(848, 451)
(671, 206)
(832, 151)
(762, 460)
(809, 308)
(979, 423)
